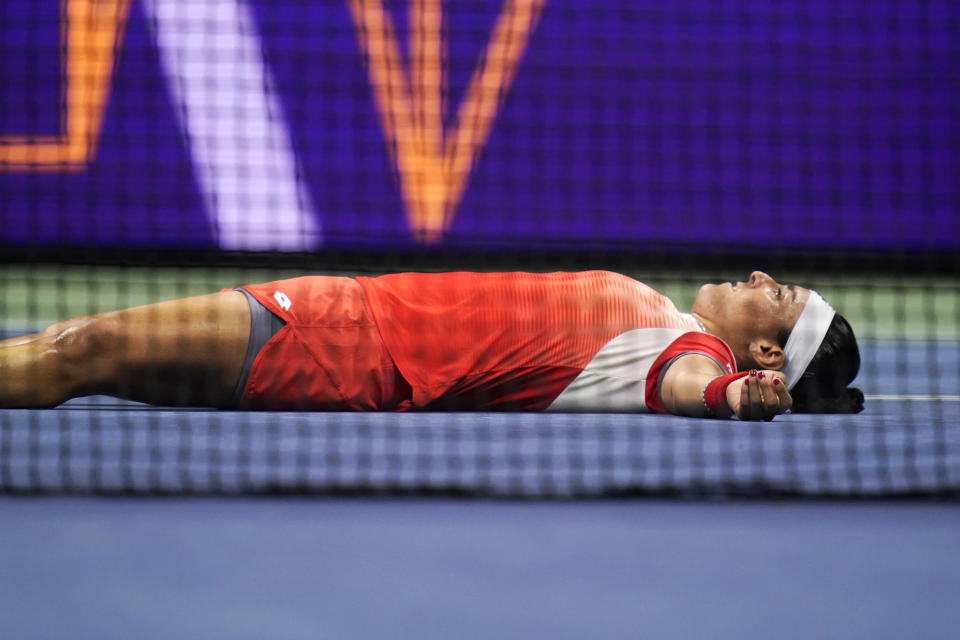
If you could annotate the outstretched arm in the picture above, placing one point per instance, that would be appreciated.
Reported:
(761, 395)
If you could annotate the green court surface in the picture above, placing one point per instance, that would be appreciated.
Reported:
(881, 307)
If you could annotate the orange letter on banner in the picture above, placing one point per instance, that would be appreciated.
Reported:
(434, 168)
(93, 30)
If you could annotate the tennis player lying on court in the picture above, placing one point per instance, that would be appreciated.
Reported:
(591, 341)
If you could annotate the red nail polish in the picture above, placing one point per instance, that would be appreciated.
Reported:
(760, 374)
(776, 381)
(753, 373)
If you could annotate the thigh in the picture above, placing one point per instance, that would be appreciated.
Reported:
(185, 352)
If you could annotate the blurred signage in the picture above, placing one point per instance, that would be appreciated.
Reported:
(277, 124)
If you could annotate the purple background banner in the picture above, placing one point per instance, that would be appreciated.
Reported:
(744, 123)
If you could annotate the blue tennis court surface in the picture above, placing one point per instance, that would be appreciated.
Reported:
(295, 568)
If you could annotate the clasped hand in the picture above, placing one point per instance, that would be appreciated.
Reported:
(761, 395)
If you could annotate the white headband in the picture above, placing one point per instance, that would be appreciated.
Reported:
(806, 336)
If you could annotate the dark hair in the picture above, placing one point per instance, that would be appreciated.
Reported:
(823, 386)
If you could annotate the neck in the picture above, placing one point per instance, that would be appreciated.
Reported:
(743, 362)
(706, 325)
(740, 351)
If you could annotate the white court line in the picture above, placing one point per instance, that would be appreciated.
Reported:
(916, 398)
(239, 140)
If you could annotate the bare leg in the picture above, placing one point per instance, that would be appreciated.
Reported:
(185, 352)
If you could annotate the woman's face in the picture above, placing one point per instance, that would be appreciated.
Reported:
(742, 313)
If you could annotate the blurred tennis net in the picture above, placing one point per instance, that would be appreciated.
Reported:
(909, 451)
(905, 444)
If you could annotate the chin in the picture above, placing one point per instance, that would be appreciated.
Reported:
(708, 296)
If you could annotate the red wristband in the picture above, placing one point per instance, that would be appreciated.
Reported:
(715, 393)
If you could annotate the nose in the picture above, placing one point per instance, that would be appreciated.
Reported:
(759, 278)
